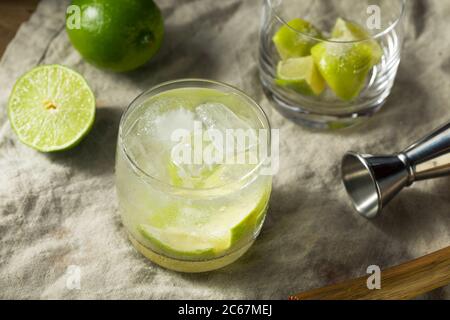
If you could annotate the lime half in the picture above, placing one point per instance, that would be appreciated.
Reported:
(176, 231)
(296, 39)
(300, 75)
(51, 108)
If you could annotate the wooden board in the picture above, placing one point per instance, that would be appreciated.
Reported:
(405, 281)
(12, 14)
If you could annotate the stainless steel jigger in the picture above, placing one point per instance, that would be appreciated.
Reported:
(373, 180)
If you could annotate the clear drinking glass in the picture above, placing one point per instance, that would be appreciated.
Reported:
(190, 217)
(337, 65)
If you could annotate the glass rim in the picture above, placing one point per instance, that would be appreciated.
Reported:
(372, 37)
(262, 116)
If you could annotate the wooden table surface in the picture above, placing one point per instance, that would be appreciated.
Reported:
(12, 14)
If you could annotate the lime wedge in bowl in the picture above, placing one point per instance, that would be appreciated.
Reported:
(344, 63)
(345, 30)
(348, 31)
(296, 39)
(300, 75)
(51, 108)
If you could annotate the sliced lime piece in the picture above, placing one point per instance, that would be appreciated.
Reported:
(344, 67)
(296, 39)
(245, 229)
(209, 177)
(348, 31)
(199, 176)
(300, 75)
(173, 234)
(177, 243)
(51, 108)
(241, 222)
(345, 30)
(345, 64)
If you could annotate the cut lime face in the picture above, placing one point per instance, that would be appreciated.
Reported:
(296, 39)
(345, 65)
(345, 30)
(348, 31)
(51, 108)
(300, 75)
(177, 243)
(179, 238)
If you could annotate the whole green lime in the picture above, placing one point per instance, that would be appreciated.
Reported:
(119, 35)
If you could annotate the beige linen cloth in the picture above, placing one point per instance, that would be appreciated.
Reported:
(60, 210)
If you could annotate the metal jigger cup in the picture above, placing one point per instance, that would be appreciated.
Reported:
(373, 180)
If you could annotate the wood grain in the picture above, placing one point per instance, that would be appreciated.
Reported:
(402, 282)
(12, 14)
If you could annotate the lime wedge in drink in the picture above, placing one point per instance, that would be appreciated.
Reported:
(209, 177)
(296, 39)
(177, 243)
(51, 108)
(344, 63)
(300, 75)
(173, 234)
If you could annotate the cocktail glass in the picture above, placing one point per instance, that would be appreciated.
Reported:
(330, 63)
(193, 213)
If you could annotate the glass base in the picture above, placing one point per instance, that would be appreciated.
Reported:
(321, 121)
(188, 266)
